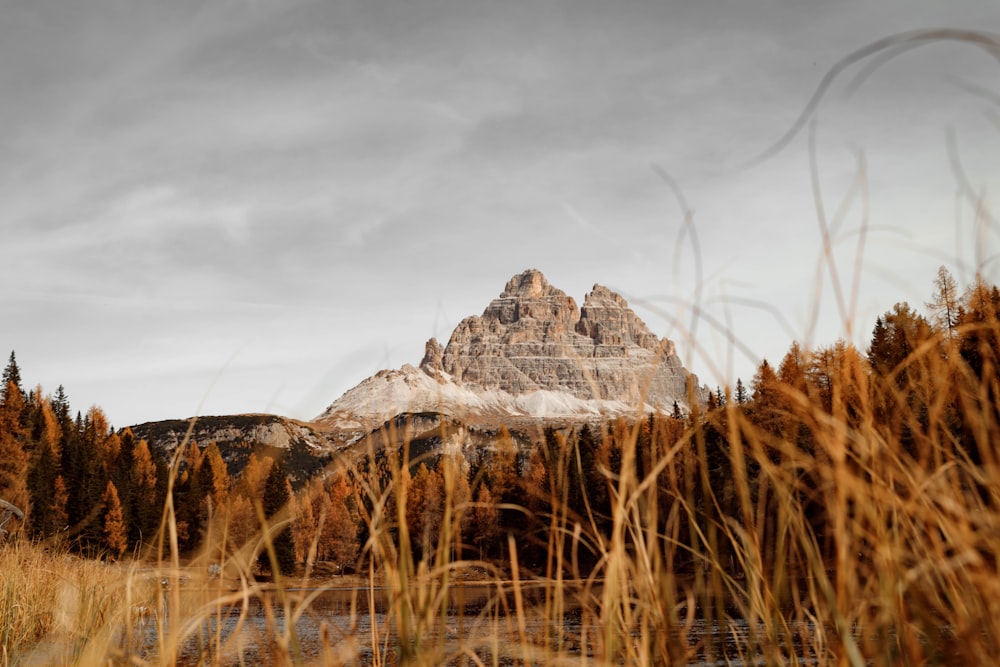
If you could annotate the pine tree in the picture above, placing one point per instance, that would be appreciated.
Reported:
(741, 392)
(11, 375)
(45, 469)
(88, 477)
(275, 498)
(58, 514)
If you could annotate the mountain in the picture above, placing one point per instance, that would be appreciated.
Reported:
(305, 448)
(532, 355)
(533, 358)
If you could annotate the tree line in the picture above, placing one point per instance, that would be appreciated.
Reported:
(925, 387)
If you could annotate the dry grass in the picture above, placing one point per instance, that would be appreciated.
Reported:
(853, 528)
(898, 567)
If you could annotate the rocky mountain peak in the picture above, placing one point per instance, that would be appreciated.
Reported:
(528, 296)
(433, 354)
(529, 284)
(607, 319)
(532, 354)
(534, 337)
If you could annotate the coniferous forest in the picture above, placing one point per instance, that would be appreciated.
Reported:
(838, 489)
(101, 491)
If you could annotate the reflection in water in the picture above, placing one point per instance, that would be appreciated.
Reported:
(347, 626)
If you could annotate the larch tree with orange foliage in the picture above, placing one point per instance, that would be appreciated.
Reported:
(114, 530)
(13, 455)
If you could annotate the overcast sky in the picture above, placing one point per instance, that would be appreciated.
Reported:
(251, 206)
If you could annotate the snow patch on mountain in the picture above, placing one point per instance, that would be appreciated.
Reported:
(411, 390)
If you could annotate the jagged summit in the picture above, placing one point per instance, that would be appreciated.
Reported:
(532, 353)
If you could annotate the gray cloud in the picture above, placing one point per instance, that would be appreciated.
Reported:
(269, 201)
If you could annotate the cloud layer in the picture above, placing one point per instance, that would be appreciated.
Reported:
(259, 203)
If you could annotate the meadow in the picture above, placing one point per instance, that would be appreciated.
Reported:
(842, 509)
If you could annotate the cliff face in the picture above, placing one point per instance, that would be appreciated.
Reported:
(533, 357)
(534, 337)
(531, 354)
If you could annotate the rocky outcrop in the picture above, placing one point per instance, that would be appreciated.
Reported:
(250, 430)
(531, 354)
(534, 337)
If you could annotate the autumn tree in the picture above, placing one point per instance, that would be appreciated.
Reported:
(305, 523)
(12, 375)
(240, 515)
(115, 537)
(338, 535)
(275, 498)
(213, 481)
(58, 512)
(457, 494)
(896, 335)
(979, 349)
(945, 305)
(146, 500)
(767, 409)
(13, 439)
(485, 521)
(188, 495)
(501, 467)
(47, 518)
(424, 508)
(979, 341)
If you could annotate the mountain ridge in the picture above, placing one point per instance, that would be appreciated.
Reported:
(533, 357)
(531, 354)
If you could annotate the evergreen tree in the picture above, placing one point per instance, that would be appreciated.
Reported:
(741, 393)
(89, 478)
(11, 376)
(45, 469)
(275, 499)
(58, 514)
(147, 500)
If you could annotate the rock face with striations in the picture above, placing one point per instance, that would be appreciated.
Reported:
(534, 337)
(532, 354)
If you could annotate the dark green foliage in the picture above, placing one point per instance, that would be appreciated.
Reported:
(741, 392)
(275, 499)
(41, 485)
(11, 375)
